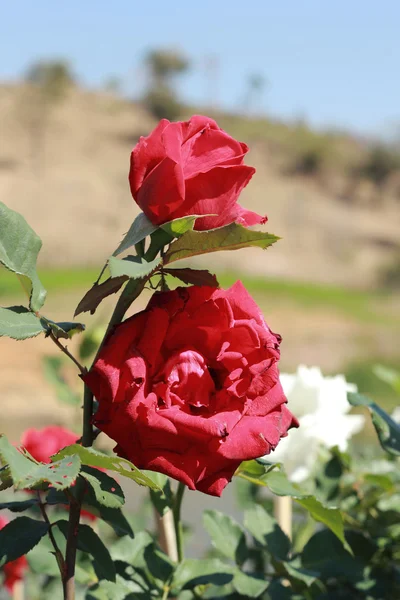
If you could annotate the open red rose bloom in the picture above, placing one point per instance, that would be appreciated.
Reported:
(42, 443)
(190, 386)
(191, 168)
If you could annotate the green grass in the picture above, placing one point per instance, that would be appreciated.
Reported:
(54, 280)
(360, 305)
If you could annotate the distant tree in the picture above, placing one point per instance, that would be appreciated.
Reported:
(379, 164)
(163, 65)
(52, 78)
(163, 103)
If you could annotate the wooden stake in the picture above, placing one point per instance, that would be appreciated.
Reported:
(18, 591)
(166, 534)
(283, 513)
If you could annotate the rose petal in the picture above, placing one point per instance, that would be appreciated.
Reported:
(146, 155)
(215, 193)
(208, 149)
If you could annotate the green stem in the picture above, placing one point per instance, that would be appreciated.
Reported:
(65, 350)
(72, 543)
(177, 519)
(132, 290)
(57, 551)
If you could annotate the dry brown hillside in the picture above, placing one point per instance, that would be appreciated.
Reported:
(69, 179)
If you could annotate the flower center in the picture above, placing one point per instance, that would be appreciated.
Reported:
(185, 379)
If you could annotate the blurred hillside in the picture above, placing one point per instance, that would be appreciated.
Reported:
(333, 199)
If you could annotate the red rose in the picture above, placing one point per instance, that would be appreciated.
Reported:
(190, 386)
(14, 570)
(43, 443)
(191, 168)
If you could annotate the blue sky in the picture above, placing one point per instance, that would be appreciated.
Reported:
(333, 63)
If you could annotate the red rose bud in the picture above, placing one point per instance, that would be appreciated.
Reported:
(13, 571)
(190, 386)
(191, 168)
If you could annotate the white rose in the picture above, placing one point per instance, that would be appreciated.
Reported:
(321, 406)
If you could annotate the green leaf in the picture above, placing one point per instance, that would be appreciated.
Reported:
(60, 474)
(161, 499)
(252, 467)
(278, 483)
(328, 478)
(324, 553)
(19, 536)
(98, 292)
(106, 490)
(89, 541)
(278, 591)
(331, 517)
(227, 536)
(138, 231)
(296, 571)
(65, 329)
(5, 478)
(387, 429)
(56, 497)
(267, 532)
(230, 237)
(192, 572)
(249, 585)
(19, 323)
(52, 367)
(94, 458)
(133, 267)
(158, 239)
(129, 551)
(19, 505)
(27, 473)
(178, 227)
(158, 563)
(194, 276)
(19, 249)
(114, 517)
(19, 465)
(384, 482)
(107, 590)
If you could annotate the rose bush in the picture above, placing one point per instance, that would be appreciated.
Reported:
(191, 168)
(190, 386)
(12, 571)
